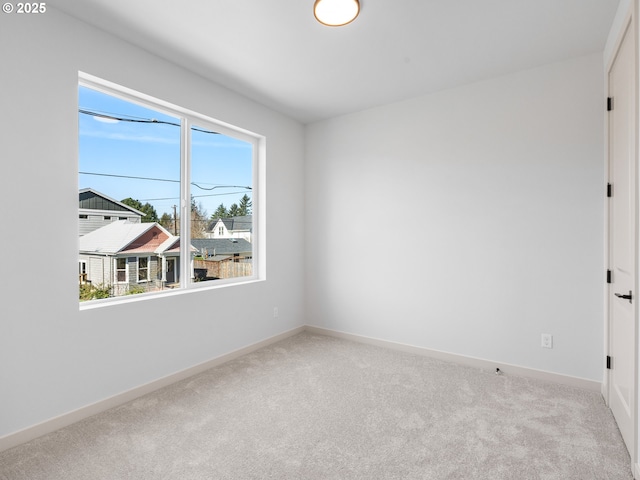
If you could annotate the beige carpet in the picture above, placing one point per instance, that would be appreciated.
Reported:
(315, 407)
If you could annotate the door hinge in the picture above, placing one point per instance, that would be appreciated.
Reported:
(608, 276)
(609, 104)
(609, 190)
(608, 362)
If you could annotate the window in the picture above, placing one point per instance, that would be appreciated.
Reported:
(121, 270)
(174, 172)
(143, 269)
(82, 272)
(220, 231)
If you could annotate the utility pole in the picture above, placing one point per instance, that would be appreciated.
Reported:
(175, 221)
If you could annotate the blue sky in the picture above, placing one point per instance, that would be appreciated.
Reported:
(110, 152)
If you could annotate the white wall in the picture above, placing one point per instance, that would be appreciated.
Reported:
(468, 221)
(54, 358)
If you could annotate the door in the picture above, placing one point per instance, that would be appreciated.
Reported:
(171, 270)
(622, 238)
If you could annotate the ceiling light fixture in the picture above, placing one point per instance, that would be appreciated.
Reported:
(335, 13)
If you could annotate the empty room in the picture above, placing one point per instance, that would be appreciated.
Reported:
(395, 240)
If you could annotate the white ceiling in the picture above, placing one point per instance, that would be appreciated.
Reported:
(275, 52)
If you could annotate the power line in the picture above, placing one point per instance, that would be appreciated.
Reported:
(122, 118)
(162, 180)
(129, 176)
(219, 186)
(194, 196)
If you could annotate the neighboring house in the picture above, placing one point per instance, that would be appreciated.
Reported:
(222, 258)
(128, 256)
(231, 227)
(97, 210)
(223, 248)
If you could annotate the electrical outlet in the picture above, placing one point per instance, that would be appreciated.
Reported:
(546, 341)
(275, 312)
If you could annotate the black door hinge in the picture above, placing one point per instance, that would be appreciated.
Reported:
(608, 362)
(609, 104)
(609, 190)
(608, 276)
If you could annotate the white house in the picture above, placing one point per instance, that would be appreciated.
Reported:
(231, 227)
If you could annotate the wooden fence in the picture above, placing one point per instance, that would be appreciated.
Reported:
(224, 269)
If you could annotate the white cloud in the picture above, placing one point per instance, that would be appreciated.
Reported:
(130, 137)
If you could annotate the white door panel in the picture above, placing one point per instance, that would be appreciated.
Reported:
(622, 238)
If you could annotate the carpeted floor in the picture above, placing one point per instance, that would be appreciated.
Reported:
(316, 407)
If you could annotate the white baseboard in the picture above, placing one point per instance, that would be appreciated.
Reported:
(604, 389)
(465, 360)
(14, 439)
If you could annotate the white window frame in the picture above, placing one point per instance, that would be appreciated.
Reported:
(148, 268)
(116, 270)
(188, 118)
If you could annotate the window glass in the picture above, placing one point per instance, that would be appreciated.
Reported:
(221, 172)
(143, 269)
(129, 163)
(150, 197)
(121, 270)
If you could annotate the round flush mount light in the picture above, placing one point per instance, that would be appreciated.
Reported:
(336, 13)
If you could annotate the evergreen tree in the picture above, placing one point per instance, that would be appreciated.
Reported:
(234, 210)
(150, 213)
(245, 205)
(221, 212)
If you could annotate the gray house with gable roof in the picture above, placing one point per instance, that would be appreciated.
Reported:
(95, 210)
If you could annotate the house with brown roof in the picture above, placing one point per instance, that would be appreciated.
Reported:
(130, 257)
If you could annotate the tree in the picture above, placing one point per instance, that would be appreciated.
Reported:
(221, 212)
(198, 220)
(150, 213)
(245, 205)
(167, 222)
(234, 210)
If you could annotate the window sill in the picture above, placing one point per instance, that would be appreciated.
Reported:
(143, 297)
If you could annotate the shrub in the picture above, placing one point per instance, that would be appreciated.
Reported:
(135, 290)
(89, 292)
